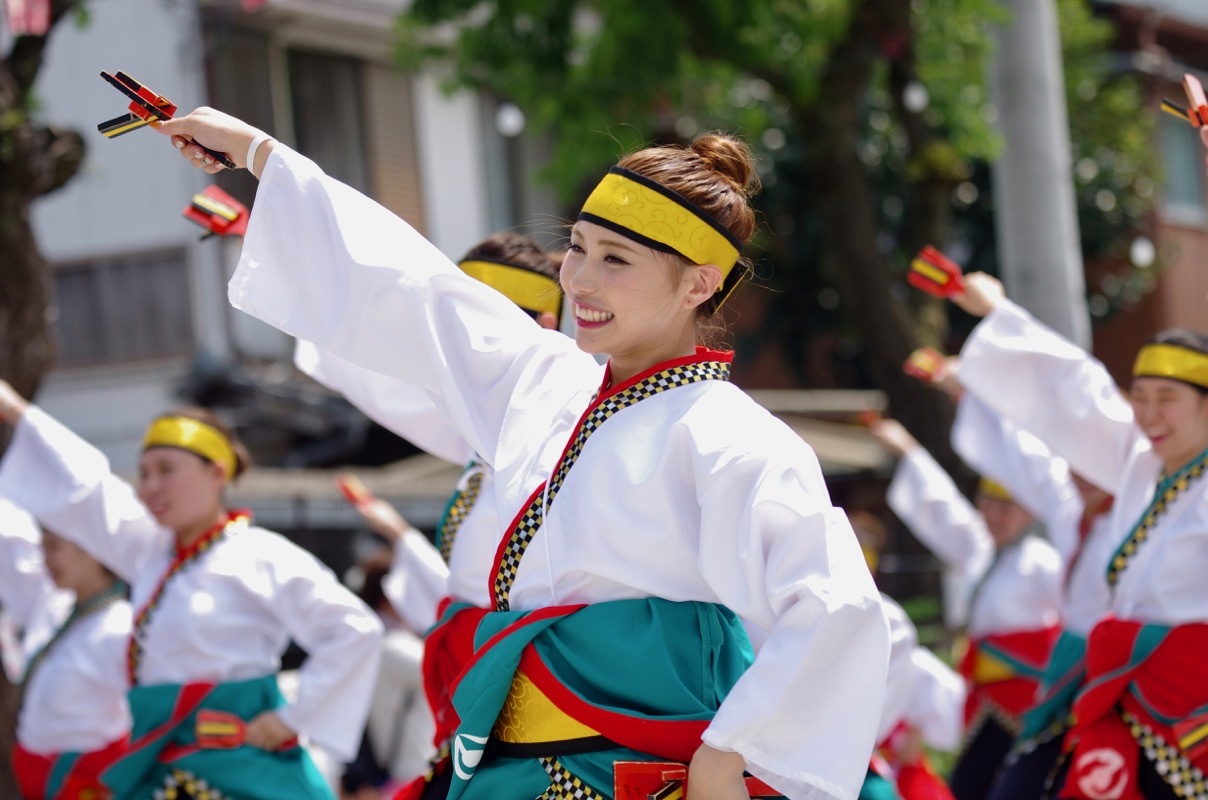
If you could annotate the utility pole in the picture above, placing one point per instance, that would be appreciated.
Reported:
(1035, 213)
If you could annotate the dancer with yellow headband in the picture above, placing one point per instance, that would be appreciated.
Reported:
(216, 601)
(424, 579)
(1011, 587)
(1139, 719)
(655, 509)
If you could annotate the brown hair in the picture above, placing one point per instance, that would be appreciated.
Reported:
(509, 247)
(243, 459)
(716, 173)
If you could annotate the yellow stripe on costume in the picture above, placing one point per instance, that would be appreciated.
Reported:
(1172, 361)
(662, 217)
(528, 716)
(196, 437)
(988, 669)
(526, 288)
(1193, 737)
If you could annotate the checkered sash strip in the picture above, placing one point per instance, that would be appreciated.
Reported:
(459, 508)
(1168, 491)
(599, 412)
(1186, 779)
(565, 785)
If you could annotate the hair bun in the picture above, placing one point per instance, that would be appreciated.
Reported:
(730, 157)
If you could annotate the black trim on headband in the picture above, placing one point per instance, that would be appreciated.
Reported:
(631, 234)
(679, 199)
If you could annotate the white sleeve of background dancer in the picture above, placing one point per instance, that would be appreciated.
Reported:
(342, 639)
(924, 497)
(1053, 389)
(418, 580)
(399, 407)
(899, 688)
(804, 716)
(326, 264)
(65, 483)
(1038, 480)
(25, 586)
(937, 705)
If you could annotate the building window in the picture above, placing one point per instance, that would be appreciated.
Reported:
(1184, 172)
(325, 94)
(123, 309)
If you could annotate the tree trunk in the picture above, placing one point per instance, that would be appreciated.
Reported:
(34, 160)
(889, 329)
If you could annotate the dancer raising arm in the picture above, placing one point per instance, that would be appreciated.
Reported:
(217, 600)
(1139, 717)
(677, 509)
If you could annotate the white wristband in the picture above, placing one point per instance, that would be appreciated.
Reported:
(260, 139)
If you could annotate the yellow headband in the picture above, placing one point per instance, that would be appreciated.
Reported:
(525, 287)
(995, 491)
(195, 436)
(1172, 361)
(651, 214)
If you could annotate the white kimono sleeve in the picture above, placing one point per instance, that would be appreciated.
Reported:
(924, 497)
(805, 714)
(66, 484)
(903, 640)
(342, 639)
(418, 580)
(1053, 389)
(937, 704)
(399, 407)
(1036, 479)
(25, 585)
(326, 264)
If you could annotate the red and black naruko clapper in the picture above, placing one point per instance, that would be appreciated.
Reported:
(924, 364)
(354, 491)
(145, 106)
(935, 273)
(1196, 113)
(217, 212)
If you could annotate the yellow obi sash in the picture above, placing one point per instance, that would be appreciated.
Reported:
(530, 717)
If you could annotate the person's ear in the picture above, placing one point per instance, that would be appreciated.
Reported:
(704, 281)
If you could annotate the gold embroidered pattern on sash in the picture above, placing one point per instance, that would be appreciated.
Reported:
(1168, 491)
(534, 515)
(565, 785)
(460, 508)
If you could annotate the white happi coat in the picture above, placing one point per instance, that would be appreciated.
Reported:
(75, 700)
(226, 617)
(419, 578)
(1041, 483)
(1018, 591)
(937, 702)
(695, 493)
(1053, 389)
(904, 638)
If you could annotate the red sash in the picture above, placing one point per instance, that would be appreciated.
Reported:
(1153, 672)
(916, 780)
(82, 781)
(1003, 671)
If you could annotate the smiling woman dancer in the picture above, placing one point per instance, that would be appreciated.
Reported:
(655, 508)
(217, 600)
(1140, 720)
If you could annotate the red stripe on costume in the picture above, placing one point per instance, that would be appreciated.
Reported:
(675, 740)
(530, 618)
(1015, 694)
(81, 780)
(1172, 678)
(447, 649)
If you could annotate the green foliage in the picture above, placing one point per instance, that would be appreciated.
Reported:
(603, 77)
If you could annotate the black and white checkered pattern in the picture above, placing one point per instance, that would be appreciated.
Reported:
(1156, 510)
(460, 508)
(1186, 779)
(564, 785)
(534, 515)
